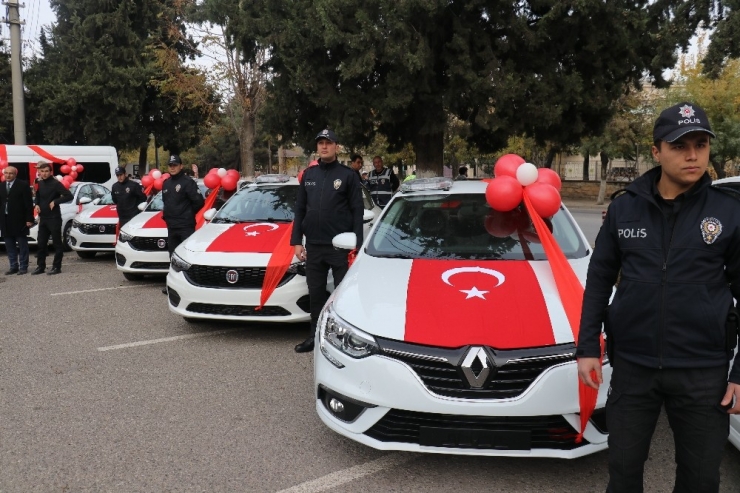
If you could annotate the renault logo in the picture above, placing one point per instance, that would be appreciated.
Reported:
(476, 367)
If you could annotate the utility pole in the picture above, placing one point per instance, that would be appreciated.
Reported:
(19, 111)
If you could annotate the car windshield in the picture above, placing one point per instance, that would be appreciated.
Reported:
(263, 203)
(157, 205)
(463, 226)
(106, 199)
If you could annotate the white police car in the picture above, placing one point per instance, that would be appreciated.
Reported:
(218, 272)
(94, 229)
(448, 335)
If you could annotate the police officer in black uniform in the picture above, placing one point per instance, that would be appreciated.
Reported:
(328, 202)
(382, 182)
(182, 201)
(127, 195)
(49, 196)
(674, 242)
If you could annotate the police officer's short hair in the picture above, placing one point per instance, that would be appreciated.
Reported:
(354, 157)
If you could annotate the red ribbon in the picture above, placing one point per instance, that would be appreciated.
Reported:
(208, 204)
(277, 266)
(38, 150)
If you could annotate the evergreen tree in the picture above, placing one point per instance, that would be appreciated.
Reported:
(6, 98)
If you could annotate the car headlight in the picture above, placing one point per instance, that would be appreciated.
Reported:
(124, 237)
(178, 264)
(298, 268)
(348, 339)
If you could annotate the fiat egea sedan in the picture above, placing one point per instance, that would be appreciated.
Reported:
(448, 335)
(218, 272)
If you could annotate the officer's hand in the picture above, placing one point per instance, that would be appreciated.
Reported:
(585, 367)
(300, 252)
(51, 205)
(733, 389)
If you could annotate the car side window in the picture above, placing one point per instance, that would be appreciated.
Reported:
(85, 191)
(100, 191)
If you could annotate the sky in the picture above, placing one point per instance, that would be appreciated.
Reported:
(35, 15)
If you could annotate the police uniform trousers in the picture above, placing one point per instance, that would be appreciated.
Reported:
(319, 259)
(123, 219)
(177, 236)
(50, 227)
(691, 397)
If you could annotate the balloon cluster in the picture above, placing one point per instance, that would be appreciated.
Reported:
(3, 165)
(514, 178)
(70, 171)
(155, 178)
(221, 177)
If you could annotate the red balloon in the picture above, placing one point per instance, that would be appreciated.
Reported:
(545, 198)
(501, 224)
(507, 165)
(80, 168)
(158, 183)
(504, 193)
(546, 175)
(212, 180)
(147, 180)
(65, 168)
(165, 176)
(234, 173)
(228, 183)
(73, 174)
(3, 164)
(212, 171)
(66, 184)
(71, 162)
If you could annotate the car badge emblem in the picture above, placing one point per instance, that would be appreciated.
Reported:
(128, 190)
(711, 228)
(232, 276)
(476, 367)
(337, 184)
(177, 188)
(101, 228)
(473, 292)
(161, 243)
(686, 111)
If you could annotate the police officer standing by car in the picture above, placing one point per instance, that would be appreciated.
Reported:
(328, 202)
(50, 194)
(127, 195)
(383, 182)
(674, 242)
(181, 201)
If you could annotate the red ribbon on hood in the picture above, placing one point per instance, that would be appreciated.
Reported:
(571, 296)
(277, 266)
(208, 204)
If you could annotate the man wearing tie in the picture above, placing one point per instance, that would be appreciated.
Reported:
(16, 217)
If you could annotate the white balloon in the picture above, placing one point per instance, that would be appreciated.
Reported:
(74, 168)
(156, 174)
(59, 177)
(526, 174)
(222, 172)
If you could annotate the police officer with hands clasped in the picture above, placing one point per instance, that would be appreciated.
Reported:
(673, 241)
(328, 202)
(50, 194)
(127, 195)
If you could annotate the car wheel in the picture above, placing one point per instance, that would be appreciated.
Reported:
(86, 254)
(65, 237)
(131, 277)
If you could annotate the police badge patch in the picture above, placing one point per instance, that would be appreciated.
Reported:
(337, 184)
(711, 228)
(177, 188)
(128, 190)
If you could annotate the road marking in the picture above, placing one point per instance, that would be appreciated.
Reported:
(100, 289)
(346, 475)
(166, 339)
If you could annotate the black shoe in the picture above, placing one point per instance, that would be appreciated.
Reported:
(164, 290)
(54, 270)
(38, 270)
(22, 271)
(306, 346)
(11, 272)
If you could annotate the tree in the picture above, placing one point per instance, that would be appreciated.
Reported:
(398, 67)
(6, 98)
(725, 40)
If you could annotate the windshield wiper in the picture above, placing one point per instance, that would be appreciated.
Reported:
(272, 220)
(227, 219)
(393, 255)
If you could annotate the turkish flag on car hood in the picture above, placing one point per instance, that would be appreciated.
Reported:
(261, 237)
(105, 211)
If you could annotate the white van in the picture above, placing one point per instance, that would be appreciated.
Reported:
(98, 162)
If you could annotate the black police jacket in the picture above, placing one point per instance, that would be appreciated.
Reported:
(674, 291)
(328, 202)
(127, 196)
(182, 201)
(51, 190)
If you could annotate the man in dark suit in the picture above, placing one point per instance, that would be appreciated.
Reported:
(16, 217)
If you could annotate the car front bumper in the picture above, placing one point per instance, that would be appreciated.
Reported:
(82, 242)
(135, 261)
(400, 413)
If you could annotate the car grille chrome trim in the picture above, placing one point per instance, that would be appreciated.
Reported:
(148, 243)
(214, 276)
(541, 358)
(416, 356)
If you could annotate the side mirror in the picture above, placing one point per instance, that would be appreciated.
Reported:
(142, 206)
(96, 201)
(345, 241)
(208, 215)
(84, 200)
(367, 216)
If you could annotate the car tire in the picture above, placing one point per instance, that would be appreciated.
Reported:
(86, 255)
(131, 277)
(65, 237)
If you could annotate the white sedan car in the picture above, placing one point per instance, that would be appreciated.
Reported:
(94, 229)
(218, 272)
(448, 336)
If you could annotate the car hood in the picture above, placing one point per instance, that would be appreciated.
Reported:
(147, 223)
(249, 237)
(99, 214)
(504, 304)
